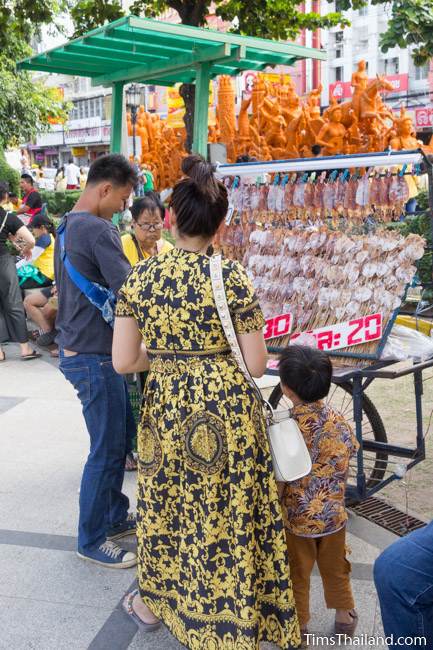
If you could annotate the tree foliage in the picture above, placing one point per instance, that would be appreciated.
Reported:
(411, 24)
(89, 14)
(25, 104)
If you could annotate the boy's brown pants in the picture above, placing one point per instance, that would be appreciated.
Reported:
(330, 554)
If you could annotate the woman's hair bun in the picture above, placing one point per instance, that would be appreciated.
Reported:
(202, 173)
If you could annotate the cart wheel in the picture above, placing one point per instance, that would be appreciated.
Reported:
(340, 398)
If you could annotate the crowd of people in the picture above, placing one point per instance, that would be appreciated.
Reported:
(224, 555)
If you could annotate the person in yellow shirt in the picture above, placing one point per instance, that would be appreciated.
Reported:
(39, 270)
(143, 242)
(147, 222)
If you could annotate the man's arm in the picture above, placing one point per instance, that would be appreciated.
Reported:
(109, 255)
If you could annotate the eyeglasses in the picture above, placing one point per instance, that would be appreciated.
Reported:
(149, 226)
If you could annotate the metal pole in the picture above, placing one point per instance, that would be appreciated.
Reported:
(420, 443)
(430, 193)
(201, 109)
(116, 117)
(357, 416)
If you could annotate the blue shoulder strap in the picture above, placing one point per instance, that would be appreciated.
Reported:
(93, 292)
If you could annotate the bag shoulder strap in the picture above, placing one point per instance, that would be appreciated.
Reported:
(92, 291)
(4, 221)
(216, 276)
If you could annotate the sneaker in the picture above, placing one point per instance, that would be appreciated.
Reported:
(111, 556)
(46, 339)
(128, 527)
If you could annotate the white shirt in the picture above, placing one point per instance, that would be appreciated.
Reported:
(72, 174)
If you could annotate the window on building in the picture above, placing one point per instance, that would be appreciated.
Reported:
(339, 73)
(391, 66)
(106, 103)
(339, 37)
(339, 5)
(339, 53)
(86, 107)
(363, 11)
(421, 72)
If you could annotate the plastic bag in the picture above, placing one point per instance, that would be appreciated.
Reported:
(405, 343)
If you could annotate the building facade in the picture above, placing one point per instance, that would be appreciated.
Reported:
(413, 86)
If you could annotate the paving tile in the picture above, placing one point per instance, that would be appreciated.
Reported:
(60, 577)
(7, 403)
(44, 447)
(37, 378)
(27, 624)
(322, 619)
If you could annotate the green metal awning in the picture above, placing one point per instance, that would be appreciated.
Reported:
(148, 51)
(155, 52)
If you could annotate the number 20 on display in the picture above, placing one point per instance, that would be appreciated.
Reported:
(333, 337)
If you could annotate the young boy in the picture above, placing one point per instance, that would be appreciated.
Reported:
(313, 507)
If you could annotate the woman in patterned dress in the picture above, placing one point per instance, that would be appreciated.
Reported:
(212, 553)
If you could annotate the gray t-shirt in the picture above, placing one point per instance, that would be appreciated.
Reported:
(94, 249)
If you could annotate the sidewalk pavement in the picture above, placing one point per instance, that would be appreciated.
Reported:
(51, 600)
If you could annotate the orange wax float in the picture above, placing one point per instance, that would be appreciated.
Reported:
(359, 83)
(274, 122)
(404, 138)
(333, 134)
(226, 114)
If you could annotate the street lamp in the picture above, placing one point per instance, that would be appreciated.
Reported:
(133, 98)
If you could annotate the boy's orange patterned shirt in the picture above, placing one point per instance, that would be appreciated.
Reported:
(314, 505)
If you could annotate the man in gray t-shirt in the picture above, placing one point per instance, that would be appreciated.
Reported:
(93, 247)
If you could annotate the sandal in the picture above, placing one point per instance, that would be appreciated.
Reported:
(32, 355)
(128, 608)
(347, 628)
(130, 463)
(304, 637)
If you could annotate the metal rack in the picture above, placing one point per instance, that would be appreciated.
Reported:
(326, 163)
(356, 380)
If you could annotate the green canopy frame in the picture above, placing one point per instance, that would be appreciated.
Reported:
(141, 50)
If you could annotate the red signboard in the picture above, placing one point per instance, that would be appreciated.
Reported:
(332, 337)
(343, 89)
(340, 90)
(343, 335)
(278, 326)
(423, 117)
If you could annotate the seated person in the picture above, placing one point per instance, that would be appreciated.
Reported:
(32, 201)
(147, 221)
(14, 201)
(41, 308)
(12, 204)
(42, 258)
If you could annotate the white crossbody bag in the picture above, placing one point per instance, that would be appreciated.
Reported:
(290, 455)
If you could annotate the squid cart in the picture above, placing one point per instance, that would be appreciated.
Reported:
(315, 237)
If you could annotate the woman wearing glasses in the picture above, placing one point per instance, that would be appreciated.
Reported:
(143, 242)
(145, 239)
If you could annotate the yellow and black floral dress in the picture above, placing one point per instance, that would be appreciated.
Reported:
(212, 552)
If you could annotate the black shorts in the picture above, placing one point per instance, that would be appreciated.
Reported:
(46, 292)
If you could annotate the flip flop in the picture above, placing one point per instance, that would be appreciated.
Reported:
(29, 357)
(128, 608)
